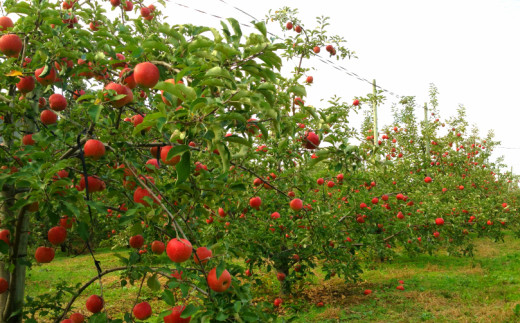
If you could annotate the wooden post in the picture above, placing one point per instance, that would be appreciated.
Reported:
(374, 111)
(425, 131)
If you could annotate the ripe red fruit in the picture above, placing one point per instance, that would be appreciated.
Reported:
(94, 149)
(115, 3)
(222, 283)
(5, 235)
(367, 292)
(203, 254)
(291, 194)
(27, 140)
(77, 318)
(5, 22)
(145, 12)
(164, 154)
(277, 302)
(46, 80)
(400, 287)
(275, 215)
(399, 196)
(120, 90)
(48, 117)
(57, 235)
(94, 184)
(255, 202)
(139, 195)
(154, 163)
(4, 285)
(439, 221)
(158, 247)
(175, 316)
(164, 99)
(311, 141)
(11, 45)
(128, 6)
(142, 311)
(94, 304)
(309, 79)
(221, 212)
(146, 74)
(375, 200)
(289, 25)
(136, 242)
(66, 222)
(129, 81)
(44, 255)
(280, 276)
(504, 205)
(179, 250)
(57, 102)
(298, 29)
(316, 49)
(26, 84)
(356, 102)
(296, 205)
(384, 197)
(329, 48)
(427, 179)
(320, 181)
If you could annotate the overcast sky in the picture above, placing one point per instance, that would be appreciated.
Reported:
(468, 48)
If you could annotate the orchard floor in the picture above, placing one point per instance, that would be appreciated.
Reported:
(439, 288)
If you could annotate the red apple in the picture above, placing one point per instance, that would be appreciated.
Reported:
(136, 241)
(77, 318)
(28, 140)
(142, 311)
(94, 149)
(280, 276)
(57, 235)
(255, 202)
(57, 102)
(204, 255)
(427, 179)
(298, 29)
(277, 302)
(309, 79)
(146, 74)
(311, 140)
(296, 205)
(26, 84)
(5, 235)
(164, 154)
(222, 283)
(175, 316)
(48, 117)
(120, 90)
(4, 285)
(356, 102)
(129, 81)
(48, 79)
(94, 304)
(316, 49)
(439, 221)
(289, 25)
(11, 45)
(158, 247)
(179, 250)
(44, 255)
(5, 22)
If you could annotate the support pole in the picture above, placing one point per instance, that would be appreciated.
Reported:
(374, 111)
(427, 141)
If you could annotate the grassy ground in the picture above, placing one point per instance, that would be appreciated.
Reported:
(438, 288)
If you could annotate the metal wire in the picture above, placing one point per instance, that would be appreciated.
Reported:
(325, 61)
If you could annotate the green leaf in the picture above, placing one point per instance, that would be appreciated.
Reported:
(238, 187)
(168, 297)
(299, 90)
(261, 27)
(94, 112)
(236, 27)
(4, 247)
(220, 269)
(83, 231)
(218, 71)
(189, 311)
(153, 283)
(176, 150)
(238, 140)
(183, 168)
(181, 91)
(185, 288)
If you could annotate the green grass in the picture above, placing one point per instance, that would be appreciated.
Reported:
(438, 288)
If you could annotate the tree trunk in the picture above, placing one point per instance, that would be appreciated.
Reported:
(11, 303)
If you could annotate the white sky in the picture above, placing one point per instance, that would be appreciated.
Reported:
(468, 48)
